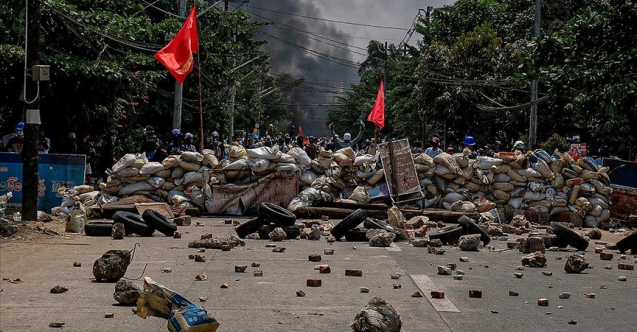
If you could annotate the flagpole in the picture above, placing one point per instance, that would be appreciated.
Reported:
(201, 139)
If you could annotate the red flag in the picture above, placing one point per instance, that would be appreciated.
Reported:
(300, 131)
(377, 115)
(177, 55)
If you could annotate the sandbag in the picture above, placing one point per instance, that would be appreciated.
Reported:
(286, 167)
(577, 169)
(461, 160)
(601, 188)
(440, 183)
(467, 172)
(559, 209)
(258, 164)
(192, 157)
(178, 173)
(285, 159)
(471, 187)
(501, 177)
(529, 172)
(236, 152)
(137, 178)
(588, 175)
(135, 187)
(501, 195)
(140, 160)
(171, 162)
(424, 159)
(209, 159)
(360, 195)
(308, 177)
(301, 156)
(420, 168)
(374, 179)
(168, 186)
(156, 181)
(487, 163)
(504, 168)
(444, 172)
(590, 221)
(454, 186)
(195, 178)
(459, 180)
(449, 162)
(316, 167)
(557, 165)
(485, 176)
(542, 155)
(604, 216)
(517, 192)
(189, 166)
(534, 196)
(112, 187)
(516, 202)
(264, 153)
(573, 194)
(151, 168)
(515, 176)
(588, 163)
(349, 152)
(342, 160)
(544, 169)
(503, 186)
(124, 173)
(237, 165)
(558, 181)
(164, 173)
(454, 197)
(560, 202)
(334, 170)
(597, 201)
(596, 211)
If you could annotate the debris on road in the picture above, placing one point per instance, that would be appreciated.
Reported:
(59, 289)
(217, 242)
(536, 259)
(512, 293)
(463, 259)
(590, 295)
(416, 294)
(240, 268)
(112, 265)
(118, 232)
(328, 251)
(444, 271)
(314, 283)
(383, 239)
(396, 276)
(201, 277)
(469, 242)
(77, 264)
(200, 258)
(364, 290)
(624, 266)
(126, 292)
(354, 272)
(314, 258)
(437, 294)
(575, 264)
(225, 285)
(565, 295)
(622, 278)
(475, 293)
(202, 299)
(377, 315)
(57, 325)
(278, 234)
(605, 256)
(258, 273)
(278, 249)
(543, 302)
(300, 293)
(109, 315)
(397, 286)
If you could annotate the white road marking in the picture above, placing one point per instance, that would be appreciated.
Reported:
(425, 285)
(393, 247)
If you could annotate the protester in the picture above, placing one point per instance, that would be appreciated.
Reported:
(174, 146)
(69, 146)
(216, 146)
(86, 148)
(469, 147)
(268, 141)
(187, 144)
(347, 140)
(282, 146)
(450, 149)
(434, 149)
(151, 144)
(312, 149)
(519, 146)
(488, 151)
(107, 154)
(44, 143)
(15, 143)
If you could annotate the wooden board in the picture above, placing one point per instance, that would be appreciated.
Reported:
(162, 207)
(127, 203)
(340, 213)
(402, 167)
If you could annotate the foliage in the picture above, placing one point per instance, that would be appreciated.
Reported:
(555, 142)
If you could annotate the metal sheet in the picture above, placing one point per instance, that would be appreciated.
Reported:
(405, 170)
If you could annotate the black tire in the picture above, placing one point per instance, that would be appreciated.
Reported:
(249, 227)
(98, 229)
(292, 232)
(157, 221)
(133, 223)
(350, 222)
(471, 227)
(275, 214)
(629, 242)
(448, 234)
(569, 236)
(357, 235)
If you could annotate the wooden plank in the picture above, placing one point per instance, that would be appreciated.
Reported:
(162, 207)
(340, 213)
(127, 203)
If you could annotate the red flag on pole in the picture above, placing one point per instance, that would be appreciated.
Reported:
(300, 131)
(377, 115)
(177, 55)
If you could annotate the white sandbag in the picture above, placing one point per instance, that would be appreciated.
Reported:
(596, 211)
(264, 153)
(286, 167)
(453, 197)
(604, 216)
(365, 174)
(151, 168)
(561, 202)
(192, 157)
(455, 186)
(209, 159)
(349, 152)
(597, 201)
(156, 181)
(300, 156)
(534, 196)
(444, 172)
(364, 159)
(171, 162)
(515, 176)
(601, 188)
(236, 152)
(168, 186)
(425, 182)
(543, 168)
(590, 221)
(285, 159)
(461, 160)
(189, 166)
(516, 202)
(449, 162)
(308, 177)
(529, 172)
(501, 177)
(258, 164)
(487, 163)
(135, 187)
(236, 166)
(124, 173)
(462, 206)
(503, 186)
(178, 200)
(459, 180)
(127, 160)
(195, 178)
(164, 173)
(559, 209)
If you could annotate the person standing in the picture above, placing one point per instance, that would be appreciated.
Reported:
(187, 144)
(469, 147)
(151, 144)
(44, 143)
(216, 146)
(86, 148)
(312, 149)
(434, 149)
(347, 140)
(107, 154)
(15, 143)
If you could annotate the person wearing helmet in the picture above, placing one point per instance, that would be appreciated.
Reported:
(216, 146)
(15, 143)
(282, 146)
(174, 146)
(489, 151)
(469, 147)
(519, 146)
(347, 140)
(187, 144)
(434, 149)
(268, 141)
(450, 149)
(270, 130)
(151, 144)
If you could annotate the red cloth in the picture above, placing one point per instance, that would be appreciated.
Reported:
(377, 115)
(300, 131)
(177, 55)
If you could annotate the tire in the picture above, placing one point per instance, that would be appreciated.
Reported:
(133, 223)
(275, 214)
(569, 236)
(448, 234)
(357, 235)
(292, 232)
(249, 227)
(629, 242)
(471, 227)
(99, 229)
(552, 240)
(157, 221)
(350, 222)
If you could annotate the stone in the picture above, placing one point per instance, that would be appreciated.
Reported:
(532, 244)
(328, 251)
(622, 256)
(331, 239)
(206, 236)
(278, 249)
(494, 231)
(373, 232)
(118, 232)
(225, 247)
(622, 278)
(201, 250)
(314, 258)
(599, 250)
(421, 231)
(109, 315)
(519, 268)
(382, 240)
(512, 293)
(314, 282)
(608, 267)
(508, 229)
(469, 242)
(56, 324)
(182, 221)
(377, 315)
(191, 256)
(575, 264)
(240, 268)
(590, 295)
(202, 299)
(451, 265)
(518, 275)
(397, 286)
(300, 293)
(536, 259)
(201, 277)
(225, 285)
(463, 259)
(572, 322)
(177, 235)
(595, 234)
(270, 245)
(518, 231)
(420, 242)
(565, 295)
(436, 243)
(543, 302)
(126, 292)
(364, 290)
(512, 245)
(200, 258)
(475, 293)
(166, 270)
(77, 264)
(624, 266)
(59, 290)
(325, 269)
(255, 265)
(258, 273)
(444, 271)
(458, 277)
(437, 294)
(228, 221)
(396, 276)
(354, 272)
(277, 234)
(605, 256)
(547, 273)
(416, 294)
(460, 272)
(440, 251)
(112, 265)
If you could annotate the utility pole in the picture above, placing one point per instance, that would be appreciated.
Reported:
(30, 155)
(179, 88)
(534, 84)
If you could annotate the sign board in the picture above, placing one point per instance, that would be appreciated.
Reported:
(578, 150)
(403, 167)
(56, 170)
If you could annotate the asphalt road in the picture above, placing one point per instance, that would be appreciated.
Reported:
(269, 303)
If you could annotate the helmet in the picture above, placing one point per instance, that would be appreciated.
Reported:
(519, 145)
(19, 126)
(215, 134)
(450, 149)
(267, 138)
(176, 132)
(347, 136)
(469, 141)
(188, 135)
(435, 140)
(149, 130)
(71, 135)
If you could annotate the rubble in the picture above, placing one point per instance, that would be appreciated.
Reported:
(201, 277)
(512, 293)
(328, 251)
(518, 274)
(575, 264)
(56, 324)
(420, 242)
(590, 295)
(383, 239)
(200, 258)
(177, 235)
(278, 249)
(622, 278)
(543, 302)
(469, 242)
(396, 286)
(463, 259)
(277, 235)
(118, 232)
(536, 259)
(354, 272)
(475, 293)
(565, 295)
(437, 294)
(258, 273)
(225, 285)
(182, 221)
(109, 315)
(532, 244)
(314, 258)
(314, 282)
(436, 243)
(416, 294)
(240, 268)
(126, 292)
(595, 234)
(77, 264)
(325, 269)
(444, 271)
(396, 276)
(364, 290)
(59, 289)
(112, 265)
(458, 277)
(217, 242)
(300, 293)
(378, 316)
(624, 266)
(605, 256)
